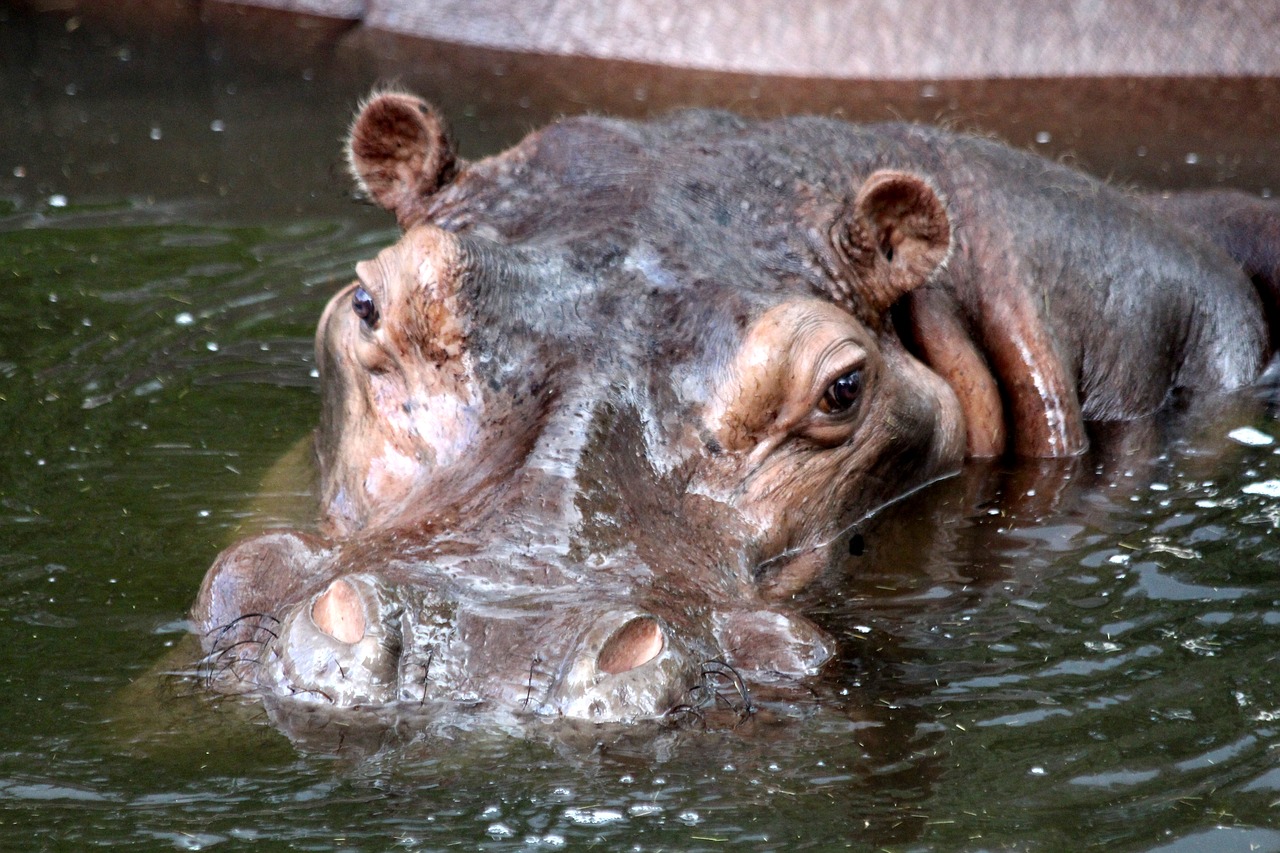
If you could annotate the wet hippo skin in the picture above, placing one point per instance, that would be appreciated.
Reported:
(615, 393)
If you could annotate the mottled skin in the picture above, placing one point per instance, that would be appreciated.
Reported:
(617, 391)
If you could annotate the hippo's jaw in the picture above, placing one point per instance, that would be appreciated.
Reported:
(360, 642)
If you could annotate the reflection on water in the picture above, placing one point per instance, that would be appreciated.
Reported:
(1046, 656)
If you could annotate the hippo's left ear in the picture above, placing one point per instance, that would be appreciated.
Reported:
(894, 238)
(401, 153)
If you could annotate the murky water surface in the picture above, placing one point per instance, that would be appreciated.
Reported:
(1032, 659)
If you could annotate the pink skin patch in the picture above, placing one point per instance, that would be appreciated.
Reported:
(634, 644)
(339, 612)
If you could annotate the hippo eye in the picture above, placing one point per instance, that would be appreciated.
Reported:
(364, 306)
(843, 394)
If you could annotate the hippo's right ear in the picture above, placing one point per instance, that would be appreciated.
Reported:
(401, 153)
(892, 241)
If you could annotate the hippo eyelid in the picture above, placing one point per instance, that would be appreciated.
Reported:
(854, 362)
(365, 307)
(843, 394)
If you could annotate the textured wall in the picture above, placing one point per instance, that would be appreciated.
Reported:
(884, 39)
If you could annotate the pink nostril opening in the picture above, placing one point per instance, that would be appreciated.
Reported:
(635, 643)
(339, 612)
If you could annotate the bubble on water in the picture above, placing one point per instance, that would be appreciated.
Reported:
(58, 200)
(1250, 437)
(217, 125)
(550, 840)
(1043, 137)
(156, 134)
(691, 818)
(1192, 158)
(644, 810)
(1038, 771)
(593, 817)
(211, 346)
(184, 319)
(500, 830)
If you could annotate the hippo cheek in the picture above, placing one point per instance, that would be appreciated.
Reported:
(341, 645)
(772, 642)
(630, 665)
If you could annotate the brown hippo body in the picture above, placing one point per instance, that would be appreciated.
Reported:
(618, 390)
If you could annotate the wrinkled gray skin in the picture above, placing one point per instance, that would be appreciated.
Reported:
(616, 393)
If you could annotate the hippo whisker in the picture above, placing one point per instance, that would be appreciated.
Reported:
(426, 674)
(302, 691)
(221, 630)
(528, 695)
(714, 670)
(679, 714)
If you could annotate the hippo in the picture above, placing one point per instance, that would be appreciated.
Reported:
(618, 393)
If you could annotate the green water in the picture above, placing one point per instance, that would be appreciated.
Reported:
(1093, 670)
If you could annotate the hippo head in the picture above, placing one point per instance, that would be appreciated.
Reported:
(612, 396)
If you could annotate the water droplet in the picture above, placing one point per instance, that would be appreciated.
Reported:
(1250, 437)
(1267, 488)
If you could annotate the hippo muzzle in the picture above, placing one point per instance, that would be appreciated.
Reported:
(361, 641)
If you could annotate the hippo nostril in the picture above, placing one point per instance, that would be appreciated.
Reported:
(635, 643)
(339, 612)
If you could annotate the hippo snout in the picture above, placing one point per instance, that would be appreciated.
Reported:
(361, 641)
(628, 664)
(343, 645)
